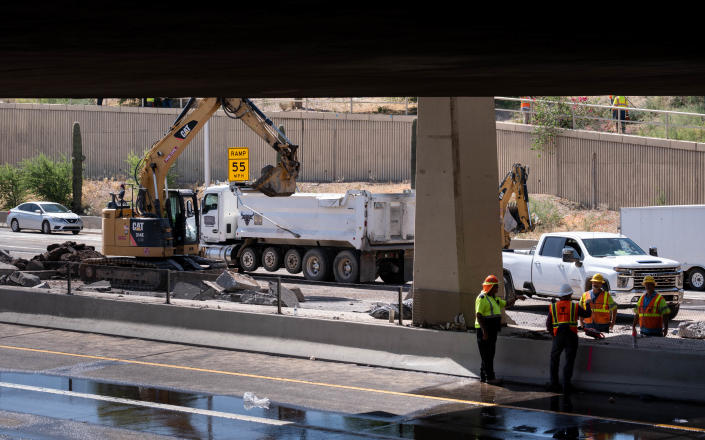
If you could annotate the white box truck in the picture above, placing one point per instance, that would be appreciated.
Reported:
(352, 237)
(676, 232)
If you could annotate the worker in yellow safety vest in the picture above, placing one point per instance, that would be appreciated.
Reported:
(619, 112)
(651, 311)
(526, 108)
(604, 308)
(488, 321)
(562, 323)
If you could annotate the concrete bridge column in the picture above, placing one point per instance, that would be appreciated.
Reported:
(457, 242)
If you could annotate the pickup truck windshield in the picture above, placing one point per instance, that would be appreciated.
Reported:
(612, 247)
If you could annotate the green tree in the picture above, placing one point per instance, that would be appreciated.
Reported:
(49, 179)
(13, 189)
(553, 114)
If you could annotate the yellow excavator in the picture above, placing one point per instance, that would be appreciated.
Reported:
(160, 230)
(514, 216)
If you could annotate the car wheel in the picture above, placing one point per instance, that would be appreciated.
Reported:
(15, 225)
(271, 259)
(346, 267)
(315, 265)
(509, 292)
(46, 228)
(249, 260)
(292, 261)
(696, 279)
(75, 232)
(674, 311)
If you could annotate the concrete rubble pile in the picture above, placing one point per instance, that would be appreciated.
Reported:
(11, 273)
(381, 310)
(692, 329)
(56, 254)
(237, 287)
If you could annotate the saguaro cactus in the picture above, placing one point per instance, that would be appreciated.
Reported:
(77, 160)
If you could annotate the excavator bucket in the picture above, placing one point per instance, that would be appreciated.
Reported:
(276, 182)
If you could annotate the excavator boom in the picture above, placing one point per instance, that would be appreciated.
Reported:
(514, 183)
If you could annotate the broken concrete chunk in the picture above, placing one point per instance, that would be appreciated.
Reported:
(43, 285)
(21, 263)
(185, 290)
(258, 299)
(211, 285)
(232, 281)
(35, 265)
(6, 269)
(299, 294)
(24, 279)
(692, 329)
(289, 298)
(5, 256)
(98, 286)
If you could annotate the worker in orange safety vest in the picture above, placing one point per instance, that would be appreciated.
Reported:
(651, 311)
(562, 323)
(604, 308)
(526, 108)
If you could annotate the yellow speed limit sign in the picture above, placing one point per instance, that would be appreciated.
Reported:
(238, 164)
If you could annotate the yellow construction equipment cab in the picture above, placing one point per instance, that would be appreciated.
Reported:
(514, 216)
(161, 227)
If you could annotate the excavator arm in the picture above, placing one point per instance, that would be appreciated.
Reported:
(279, 180)
(514, 183)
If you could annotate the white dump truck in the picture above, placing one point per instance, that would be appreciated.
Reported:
(352, 237)
(673, 232)
(574, 257)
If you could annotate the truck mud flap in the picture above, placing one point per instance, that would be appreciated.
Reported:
(368, 267)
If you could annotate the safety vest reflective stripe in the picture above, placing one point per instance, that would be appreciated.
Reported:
(561, 316)
(650, 317)
(150, 99)
(620, 101)
(492, 307)
(600, 308)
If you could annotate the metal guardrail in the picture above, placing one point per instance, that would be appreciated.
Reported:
(666, 126)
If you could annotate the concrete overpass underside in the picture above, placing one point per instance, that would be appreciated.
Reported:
(314, 49)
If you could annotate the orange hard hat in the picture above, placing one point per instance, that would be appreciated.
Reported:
(490, 281)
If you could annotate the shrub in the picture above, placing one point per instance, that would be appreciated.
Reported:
(48, 179)
(549, 217)
(13, 190)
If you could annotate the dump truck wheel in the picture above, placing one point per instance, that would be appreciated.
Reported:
(315, 265)
(346, 267)
(249, 260)
(292, 261)
(271, 259)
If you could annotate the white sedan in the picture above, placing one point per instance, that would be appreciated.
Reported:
(47, 217)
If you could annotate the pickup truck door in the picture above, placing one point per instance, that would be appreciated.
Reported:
(549, 272)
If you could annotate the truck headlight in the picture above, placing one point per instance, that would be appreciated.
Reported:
(679, 280)
(623, 271)
(623, 282)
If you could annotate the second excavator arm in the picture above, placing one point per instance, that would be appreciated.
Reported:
(279, 180)
(514, 183)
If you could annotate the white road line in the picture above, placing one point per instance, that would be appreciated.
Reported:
(177, 408)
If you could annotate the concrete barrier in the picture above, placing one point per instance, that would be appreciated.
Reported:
(674, 375)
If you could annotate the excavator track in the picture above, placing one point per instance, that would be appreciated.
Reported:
(139, 274)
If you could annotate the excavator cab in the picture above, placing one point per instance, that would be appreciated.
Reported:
(183, 215)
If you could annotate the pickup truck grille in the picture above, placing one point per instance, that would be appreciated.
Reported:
(665, 277)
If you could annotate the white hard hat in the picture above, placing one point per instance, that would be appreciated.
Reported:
(566, 290)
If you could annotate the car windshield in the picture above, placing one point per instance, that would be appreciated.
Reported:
(612, 247)
(53, 207)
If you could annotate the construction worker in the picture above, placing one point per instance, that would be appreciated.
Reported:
(526, 108)
(651, 311)
(562, 323)
(488, 321)
(604, 308)
(619, 113)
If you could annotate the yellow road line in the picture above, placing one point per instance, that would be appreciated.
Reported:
(349, 387)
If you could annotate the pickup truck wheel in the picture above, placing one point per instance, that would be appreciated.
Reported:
(316, 265)
(346, 267)
(271, 259)
(674, 311)
(292, 261)
(249, 260)
(696, 279)
(509, 292)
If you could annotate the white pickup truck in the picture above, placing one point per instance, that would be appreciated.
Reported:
(574, 257)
